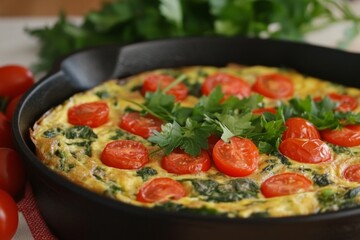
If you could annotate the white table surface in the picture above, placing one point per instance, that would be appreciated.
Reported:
(17, 47)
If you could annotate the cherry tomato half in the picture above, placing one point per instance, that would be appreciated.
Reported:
(161, 190)
(260, 111)
(153, 81)
(352, 173)
(15, 80)
(9, 216)
(346, 103)
(306, 150)
(348, 136)
(125, 154)
(12, 172)
(300, 128)
(140, 125)
(238, 158)
(92, 114)
(179, 162)
(230, 85)
(274, 85)
(285, 184)
(5, 132)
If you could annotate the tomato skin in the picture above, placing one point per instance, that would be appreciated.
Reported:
(348, 136)
(12, 172)
(352, 173)
(9, 216)
(5, 132)
(125, 154)
(140, 125)
(300, 128)
(274, 85)
(91, 114)
(346, 103)
(15, 80)
(161, 190)
(153, 81)
(179, 162)
(10, 109)
(285, 184)
(238, 158)
(306, 150)
(230, 85)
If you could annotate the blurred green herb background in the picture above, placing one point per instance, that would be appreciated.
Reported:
(126, 21)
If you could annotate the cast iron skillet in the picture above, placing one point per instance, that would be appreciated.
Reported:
(72, 212)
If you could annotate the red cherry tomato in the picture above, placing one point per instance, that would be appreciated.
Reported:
(352, 173)
(125, 154)
(306, 150)
(260, 111)
(14, 80)
(154, 81)
(348, 136)
(346, 103)
(5, 132)
(140, 125)
(92, 114)
(238, 158)
(8, 216)
(285, 184)
(230, 85)
(10, 109)
(161, 190)
(179, 162)
(274, 86)
(300, 128)
(12, 172)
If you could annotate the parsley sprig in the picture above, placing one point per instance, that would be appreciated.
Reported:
(321, 113)
(189, 128)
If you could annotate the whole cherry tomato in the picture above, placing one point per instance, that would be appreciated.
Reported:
(274, 85)
(180, 162)
(14, 80)
(161, 190)
(8, 216)
(230, 85)
(91, 114)
(237, 158)
(5, 132)
(285, 184)
(10, 109)
(140, 125)
(154, 81)
(125, 154)
(12, 172)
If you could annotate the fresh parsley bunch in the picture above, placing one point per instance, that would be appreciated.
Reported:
(189, 128)
(125, 21)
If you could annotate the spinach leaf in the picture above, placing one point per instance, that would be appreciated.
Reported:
(146, 172)
(230, 191)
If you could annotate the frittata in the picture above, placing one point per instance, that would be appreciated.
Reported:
(237, 141)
